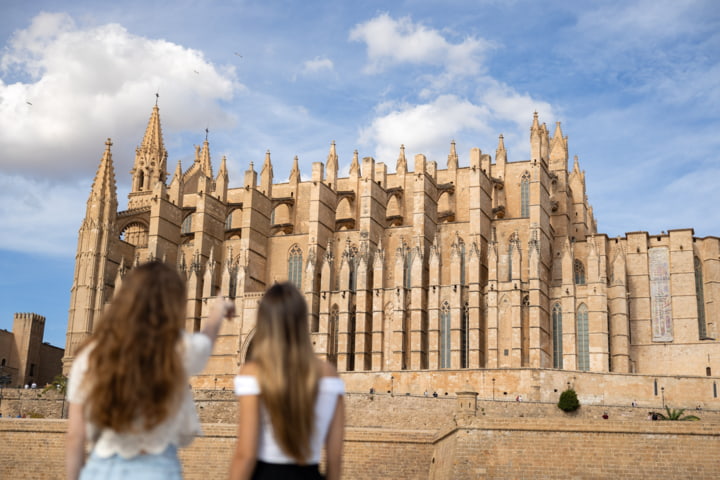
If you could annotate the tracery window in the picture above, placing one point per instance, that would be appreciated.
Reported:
(583, 339)
(557, 336)
(525, 195)
(445, 335)
(295, 266)
(579, 273)
(700, 296)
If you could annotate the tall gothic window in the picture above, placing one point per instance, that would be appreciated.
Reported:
(333, 334)
(464, 332)
(186, 225)
(583, 339)
(525, 195)
(700, 295)
(579, 273)
(557, 336)
(445, 335)
(228, 221)
(295, 266)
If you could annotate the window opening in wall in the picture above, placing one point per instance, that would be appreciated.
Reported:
(351, 340)
(700, 296)
(583, 339)
(525, 195)
(557, 336)
(579, 273)
(445, 335)
(32, 369)
(714, 390)
(228, 222)
(333, 335)
(708, 372)
(655, 387)
(464, 336)
(186, 225)
(3, 363)
(295, 266)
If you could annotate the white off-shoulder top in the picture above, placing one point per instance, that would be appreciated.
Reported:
(178, 429)
(329, 390)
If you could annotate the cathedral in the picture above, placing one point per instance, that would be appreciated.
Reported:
(475, 264)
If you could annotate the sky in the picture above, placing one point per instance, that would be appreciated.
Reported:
(635, 85)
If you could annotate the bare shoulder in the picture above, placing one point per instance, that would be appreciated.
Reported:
(249, 368)
(327, 369)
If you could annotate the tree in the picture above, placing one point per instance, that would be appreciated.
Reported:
(59, 383)
(677, 415)
(568, 401)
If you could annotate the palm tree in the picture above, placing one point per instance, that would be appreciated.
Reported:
(676, 414)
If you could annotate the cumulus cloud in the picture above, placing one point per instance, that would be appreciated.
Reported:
(426, 128)
(392, 42)
(66, 88)
(318, 64)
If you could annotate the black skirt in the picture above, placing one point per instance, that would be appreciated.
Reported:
(281, 471)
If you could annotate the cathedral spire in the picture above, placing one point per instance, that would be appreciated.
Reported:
(331, 166)
(355, 165)
(102, 203)
(558, 150)
(150, 157)
(401, 161)
(205, 163)
(500, 152)
(452, 162)
(266, 175)
(295, 171)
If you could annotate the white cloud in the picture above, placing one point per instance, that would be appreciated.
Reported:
(54, 117)
(390, 42)
(426, 128)
(318, 64)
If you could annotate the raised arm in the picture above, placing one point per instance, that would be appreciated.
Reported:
(220, 308)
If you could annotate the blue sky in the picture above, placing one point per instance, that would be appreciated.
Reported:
(636, 85)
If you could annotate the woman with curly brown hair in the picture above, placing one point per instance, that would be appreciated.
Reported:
(128, 387)
(291, 403)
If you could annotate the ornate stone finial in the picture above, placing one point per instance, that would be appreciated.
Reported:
(401, 166)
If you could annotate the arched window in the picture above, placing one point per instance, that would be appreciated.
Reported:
(579, 273)
(583, 339)
(445, 335)
(186, 225)
(525, 195)
(461, 249)
(557, 336)
(228, 222)
(295, 266)
(700, 296)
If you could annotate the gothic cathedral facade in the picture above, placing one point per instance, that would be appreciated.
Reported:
(496, 264)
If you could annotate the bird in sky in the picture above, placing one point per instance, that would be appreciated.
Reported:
(236, 53)
(28, 103)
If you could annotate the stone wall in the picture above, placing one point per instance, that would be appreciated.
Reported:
(477, 448)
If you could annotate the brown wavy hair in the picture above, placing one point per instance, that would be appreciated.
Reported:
(288, 372)
(135, 368)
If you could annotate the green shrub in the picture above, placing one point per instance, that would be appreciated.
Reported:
(568, 401)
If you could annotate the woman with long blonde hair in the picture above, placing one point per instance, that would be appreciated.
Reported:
(290, 402)
(128, 387)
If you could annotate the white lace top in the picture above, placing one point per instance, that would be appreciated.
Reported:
(178, 429)
(329, 389)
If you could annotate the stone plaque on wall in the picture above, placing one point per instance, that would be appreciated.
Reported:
(660, 300)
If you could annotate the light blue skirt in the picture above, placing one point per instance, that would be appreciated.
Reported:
(162, 466)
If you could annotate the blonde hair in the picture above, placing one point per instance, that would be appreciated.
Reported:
(288, 372)
(135, 370)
